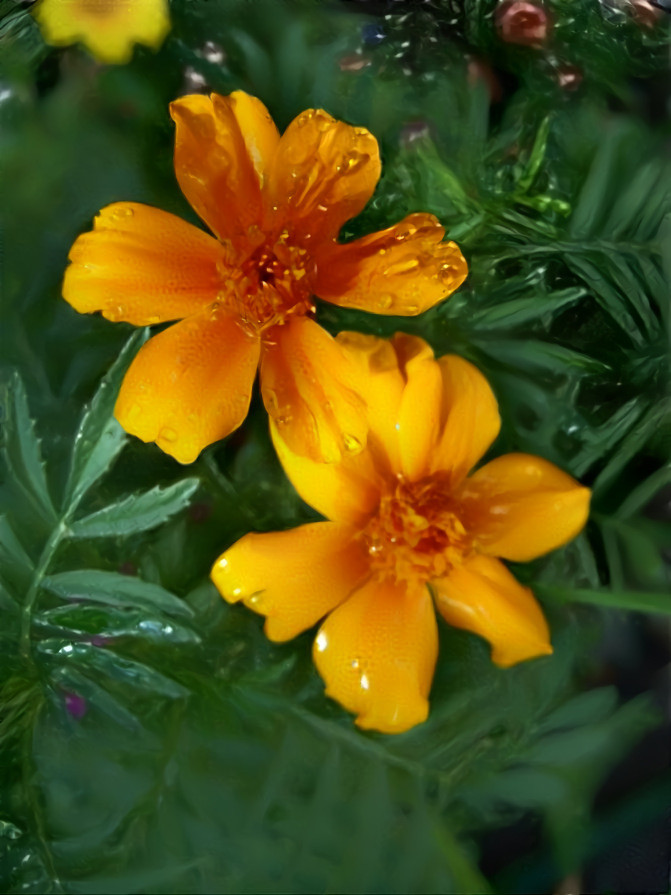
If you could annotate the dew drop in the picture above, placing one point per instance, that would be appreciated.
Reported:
(352, 444)
(135, 411)
(168, 434)
(365, 683)
(321, 642)
(385, 302)
(152, 320)
(272, 401)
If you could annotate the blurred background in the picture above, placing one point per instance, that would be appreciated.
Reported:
(152, 740)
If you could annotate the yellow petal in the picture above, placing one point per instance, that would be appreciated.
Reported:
(257, 128)
(380, 383)
(471, 416)
(403, 270)
(190, 385)
(143, 266)
(323, 173)
(344, 492)
(307, 388)
(213, 164)
(294, 577)
(482, 596)
(377, 652)
(418, 423)
(520, 507)
(108, 28)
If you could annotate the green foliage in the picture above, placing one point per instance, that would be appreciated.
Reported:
(151, 738)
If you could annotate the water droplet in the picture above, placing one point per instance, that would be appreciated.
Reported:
(272, 401)
(385, 302)
(321, 642)
(322, 208)
(255, 601)
(365, 683)
(135, 411)
(412, 309)
(152, 320)
(167, 434)
(352, 444)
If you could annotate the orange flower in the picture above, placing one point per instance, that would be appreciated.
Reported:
(276, 205)
(404, 514)
(108, 28)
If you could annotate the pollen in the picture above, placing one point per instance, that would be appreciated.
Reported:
(416, 533)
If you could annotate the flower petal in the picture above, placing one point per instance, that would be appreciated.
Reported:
(377, 652)
(213, 164)
(143, 266)
(471, 416)
(482, 596)
(323, 173)
(520, 507)
(403, 270)
(257, 128)
(345, 492)
(380, 383)
(294, 577)
(190, 385)
(418, 422)
(307, 388)
(109, 29)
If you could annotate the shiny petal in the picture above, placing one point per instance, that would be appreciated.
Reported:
(471, 417)
(213, 164)
(520, 507)
(323, 173)
(294, 577)
(482, 596)
(258, 130)
(143, 266)
(308, 388)
(418, 423)
(403, 270)
(190, 385)
(108, 28)
(345, 492)
(380, 382)
(377, 652)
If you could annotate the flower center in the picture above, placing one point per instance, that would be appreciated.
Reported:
(416, 532)
(268, 286)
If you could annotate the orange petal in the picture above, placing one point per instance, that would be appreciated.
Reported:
(520, 507)
(323, 173)
(190, 385)
(471, 416)
(307, 387)
(294, 577)
(258, 130)
(143, 266)
(482, 596)
(418, 422)
(403, 270)
(380, 383)
(213, 165)
(377, 652)
(345, 492)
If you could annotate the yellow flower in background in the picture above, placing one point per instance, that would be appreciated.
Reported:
(108, 28)
(408, 529)
(245, 298)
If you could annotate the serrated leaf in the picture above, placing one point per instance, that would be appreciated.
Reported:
(22, 449)
(15, 564)
(115, 590)
(99, 438)
(138, 512)
(121, 670)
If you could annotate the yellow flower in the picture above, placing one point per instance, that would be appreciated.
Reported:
(407, 523)
(108, 28)
(276, 206)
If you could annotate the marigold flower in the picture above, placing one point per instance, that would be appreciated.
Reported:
(276, 205)
(406, 522)
(108, 28)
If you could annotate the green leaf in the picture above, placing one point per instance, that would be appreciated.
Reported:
(635, 601)
(22, 449)
(114, 590)
(114, 622)
(138, 512)
(15, 564)
(99, 438)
